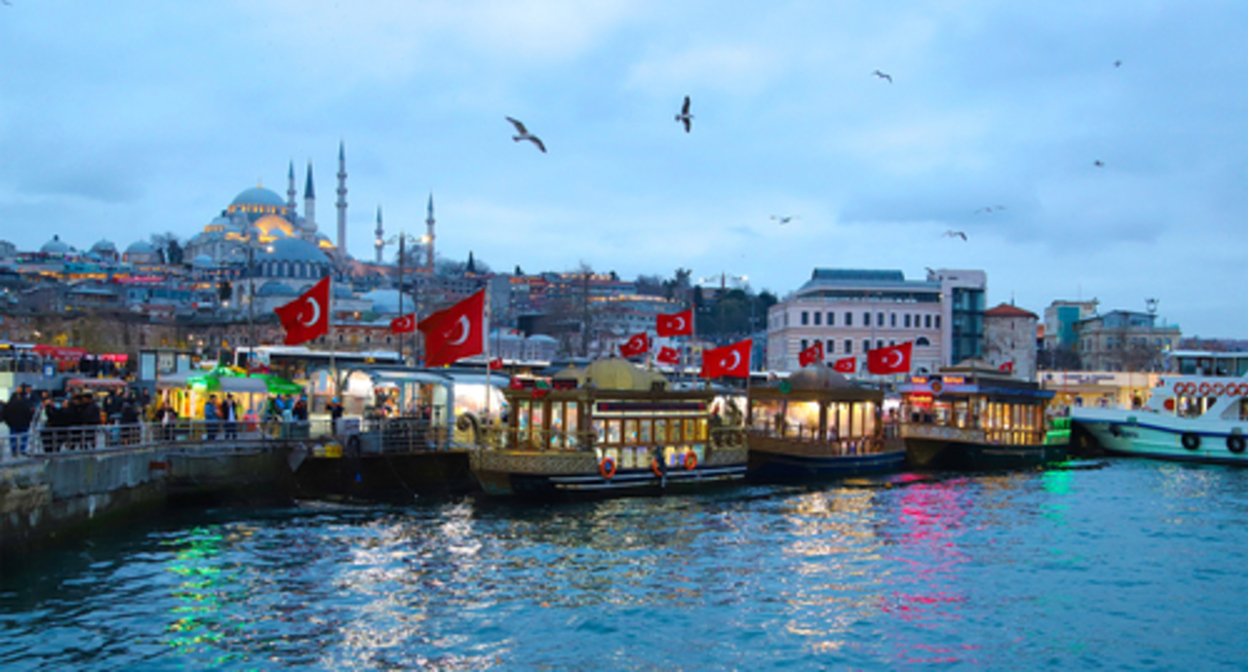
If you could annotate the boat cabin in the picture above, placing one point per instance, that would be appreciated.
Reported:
(818, 407)
(969, 400)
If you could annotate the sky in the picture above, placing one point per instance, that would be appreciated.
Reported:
(127, 119)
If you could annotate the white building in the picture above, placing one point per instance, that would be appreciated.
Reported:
(853, 311)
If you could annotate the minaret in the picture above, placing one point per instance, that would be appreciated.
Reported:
(309, 205)
(342, 202)
(380, 241)
(290, 193)
(429, 235)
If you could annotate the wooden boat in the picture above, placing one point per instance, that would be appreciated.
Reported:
(610, 429)
(973, 417)
(818, 424)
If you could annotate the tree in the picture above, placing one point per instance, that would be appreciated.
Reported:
(174, 253)
(650, 285)
(224, 290)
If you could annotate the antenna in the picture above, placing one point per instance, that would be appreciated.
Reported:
(1151, 304)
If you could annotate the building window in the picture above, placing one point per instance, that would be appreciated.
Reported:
(803, 344)
(922, 340)
(805, 318)
(818, 317)
(937, 321)
(831, 345)
(849, 319)
(907, 321)
(892, 319)
(927, 322)
(849, 347)
(866, 345)
(831, 319)
(879, 319)
(879, 343)
(866, 319)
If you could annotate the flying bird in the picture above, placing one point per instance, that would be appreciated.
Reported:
(1098, 163)
(990, 208)
(684, 116)
(1117, 64)
(955, 234)
(883, 75)
(525, 135)
(784, 220)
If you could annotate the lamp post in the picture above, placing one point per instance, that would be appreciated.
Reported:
(251, 298)
(402, 238)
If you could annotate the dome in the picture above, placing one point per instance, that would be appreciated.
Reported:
(818, 378)
(105, 246)
(140, 247)
(272, 227)
(56, 246)
(202, 261)
(292, 249)
(343, 292)
(259, 196)
(621, 374)
(275, 288)
(387, 301)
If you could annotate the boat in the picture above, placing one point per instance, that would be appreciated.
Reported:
(972, 417)
(1187, 418)
(818, 424)
(610, 429)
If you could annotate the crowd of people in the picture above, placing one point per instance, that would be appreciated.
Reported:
(66, 420)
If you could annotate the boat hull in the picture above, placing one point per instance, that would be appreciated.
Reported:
(1162, 437)
(777, 460)
(923, 453)
(552, 475)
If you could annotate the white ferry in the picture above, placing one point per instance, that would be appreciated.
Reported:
(1196, 415)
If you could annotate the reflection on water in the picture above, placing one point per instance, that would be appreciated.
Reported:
(1133, 565)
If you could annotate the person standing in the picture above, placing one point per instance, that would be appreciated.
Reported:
(335, 413)
(229, 413)
(17, 415)
(212, 414)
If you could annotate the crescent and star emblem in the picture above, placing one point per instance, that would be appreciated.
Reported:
(680, 323)
(736, 360)
(316, 312)
(895, 362)
(465, 329)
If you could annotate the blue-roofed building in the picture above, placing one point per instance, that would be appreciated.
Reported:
(853, 310)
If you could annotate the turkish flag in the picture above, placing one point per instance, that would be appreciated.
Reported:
(307, 317)
(637, 344)
(893, 359)
(668, 355)
(811, 355)
(456, 332)
(1007, 367)
(846, 365)
(730, 360)
(496, 363)
(679, 324)
(404, 325)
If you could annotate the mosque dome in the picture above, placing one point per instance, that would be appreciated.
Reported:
(56, 246)
(273, 227)
(138, 247)
(259, 196)
(342, 291)
(386, 301)
(105, 246)
(275, 288)
(202, 261)
(291, 249)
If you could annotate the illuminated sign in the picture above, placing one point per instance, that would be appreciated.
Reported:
(918, 380)
(955, 380)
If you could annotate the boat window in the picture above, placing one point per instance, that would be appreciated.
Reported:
(556, 425)
(868, 425)
(630, 432)
(613, 432)
(660, 430)
(643, 428)
(600, 430)
(572, 425)
(691, 430)
(843, 422)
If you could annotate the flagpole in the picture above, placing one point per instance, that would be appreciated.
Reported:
(333, 347)
(402, 236)
(485, 333)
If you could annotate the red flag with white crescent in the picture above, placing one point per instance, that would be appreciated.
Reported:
(846, 365)
(1007, 367)
(454, 333)
(677, 324)
(811, 355)
(404, 325)
(307, 317)
(668, 355)
(893, 359)
(637, 344)
(730, 360)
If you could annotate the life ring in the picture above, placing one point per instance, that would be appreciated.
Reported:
(1204, 389)
(1218, 389)
(607, 468)
(656, 467)
(1242, 389)
(1235, 443)
(1191, 441)
(691, 461)
(1178, 387)
(937, 387)
(1189, 388)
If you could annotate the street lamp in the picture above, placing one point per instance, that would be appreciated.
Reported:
(402, 239)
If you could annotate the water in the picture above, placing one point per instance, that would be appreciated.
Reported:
(1139, 564)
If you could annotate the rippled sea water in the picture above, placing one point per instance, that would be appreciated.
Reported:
(1138, 564)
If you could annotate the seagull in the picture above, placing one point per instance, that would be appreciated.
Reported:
(1117, 64)
(990, 208)
(684, 115)
(882, 75)
(525, 135)
(1098, 163)
(955, 234)
(784, 220)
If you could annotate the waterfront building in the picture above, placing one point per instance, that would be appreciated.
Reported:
(1060, 318)
(853, 311)
(1010, 340)
(1124, 340)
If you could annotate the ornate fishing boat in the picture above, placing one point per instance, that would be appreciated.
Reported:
(973, 417)
(1188, 418)
(818, 423)
(610, 429)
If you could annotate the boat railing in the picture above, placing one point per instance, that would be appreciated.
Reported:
(556, 440)
(850, 445)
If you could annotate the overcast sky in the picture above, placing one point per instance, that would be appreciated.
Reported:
(124, 119)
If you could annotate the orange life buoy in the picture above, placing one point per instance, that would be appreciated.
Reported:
(654, 466)
(1242, 389)
(937, 387)
(1204, 389)
(1189, 388)
(1178, 387)
(691, 460)
(1218, 389)
(607, 468)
